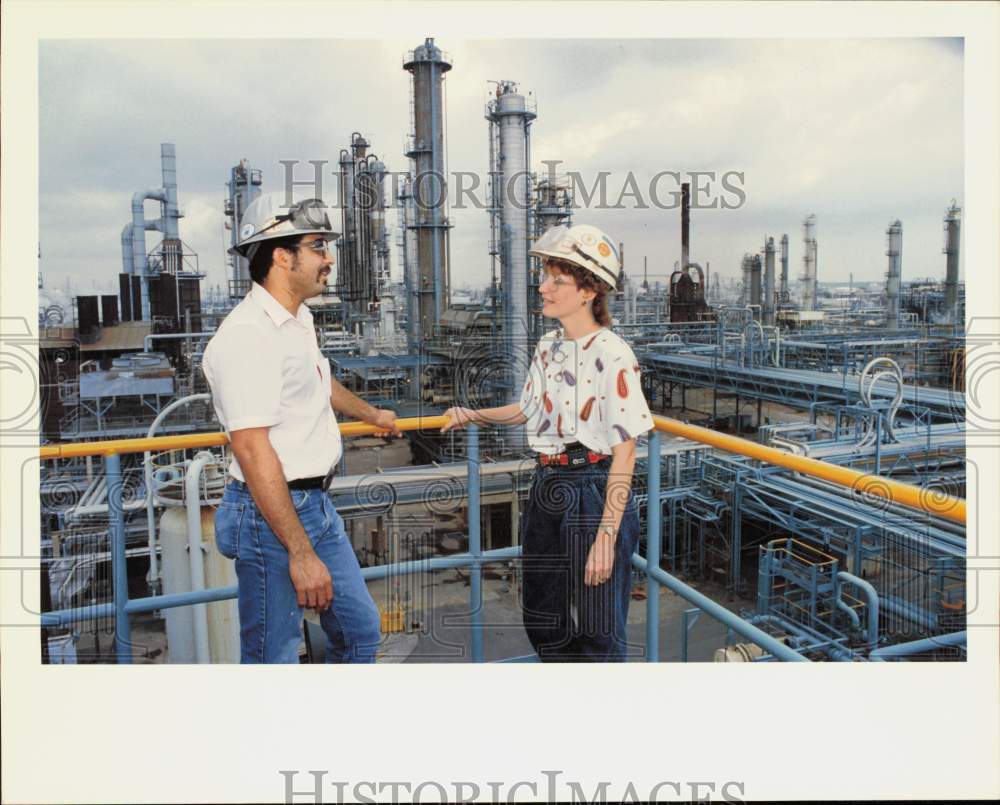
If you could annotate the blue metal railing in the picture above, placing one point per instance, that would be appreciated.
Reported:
(122, 606)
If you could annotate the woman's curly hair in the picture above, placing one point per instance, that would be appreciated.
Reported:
(588, 281)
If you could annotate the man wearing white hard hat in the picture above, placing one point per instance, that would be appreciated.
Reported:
(584, 407)
(275, 397)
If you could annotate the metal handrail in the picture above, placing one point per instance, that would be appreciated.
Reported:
(864, 484)
(122, 606)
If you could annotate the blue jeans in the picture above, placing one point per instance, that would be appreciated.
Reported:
(270, 617)
(567, 621)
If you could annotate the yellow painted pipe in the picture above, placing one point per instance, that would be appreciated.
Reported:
(112, 446)
(862, 484)
(192, 440)
(405, 423)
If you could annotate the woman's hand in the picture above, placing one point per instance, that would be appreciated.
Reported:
(458, 418)
(600, 560)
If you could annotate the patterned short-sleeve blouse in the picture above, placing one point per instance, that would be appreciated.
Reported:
(583, 390)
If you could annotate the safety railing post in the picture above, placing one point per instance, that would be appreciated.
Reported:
(878, 442)
(119, 570)
(653, 523)
(475, 547)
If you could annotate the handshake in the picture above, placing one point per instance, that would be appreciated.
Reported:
(460, 417)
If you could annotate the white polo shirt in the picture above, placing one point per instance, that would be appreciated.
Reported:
(265, 369)
(583, 390)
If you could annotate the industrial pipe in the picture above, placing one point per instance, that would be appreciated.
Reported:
(147, 465)
(833, 651)
(946, 506)
(148, 339)
(128, 243)
(101, 508)
(119, 571)
(192, 502)
(917, 646)
(911, 612)
(720, 613)
(654, 549)
(872, 597)
(851, 614)
(776, 357)
(139, 227)
(475, 547)
(127, 258)
(153, 603)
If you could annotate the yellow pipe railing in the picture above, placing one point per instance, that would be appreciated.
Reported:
(929, 500)
(192, 440)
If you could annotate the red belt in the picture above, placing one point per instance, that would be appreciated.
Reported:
(562, 459)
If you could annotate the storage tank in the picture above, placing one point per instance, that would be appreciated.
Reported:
(223, 616)
(741, 652)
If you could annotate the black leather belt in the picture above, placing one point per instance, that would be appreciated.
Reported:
(316, 482)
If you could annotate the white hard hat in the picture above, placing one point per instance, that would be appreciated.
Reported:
(272, 216)
(583, 245)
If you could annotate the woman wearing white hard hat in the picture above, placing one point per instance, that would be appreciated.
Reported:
(584, 408)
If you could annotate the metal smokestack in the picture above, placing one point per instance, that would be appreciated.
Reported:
(172, 249)
(168, 167)
(166, 223)
(784, 268)
(510, 116)
(809, 263)
(428, 65)
(952, 230)
(407, 240)
(244, 187)
(755, 290)
(894, 249)
(769, 282)
(685, 225)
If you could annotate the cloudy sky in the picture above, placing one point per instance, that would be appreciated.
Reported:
(859, 132)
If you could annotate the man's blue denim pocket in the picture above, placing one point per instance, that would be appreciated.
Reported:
(228, 520)
(310, 506)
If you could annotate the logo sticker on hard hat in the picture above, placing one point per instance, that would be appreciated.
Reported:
(603, 249)
(246, 231)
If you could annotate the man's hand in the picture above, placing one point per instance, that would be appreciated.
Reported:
(600, 560)
(311, 580)
(352, 406)
(458, 418)
(262, 469)
(387, 421)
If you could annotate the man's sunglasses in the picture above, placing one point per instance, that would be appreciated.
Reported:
(319, 245)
